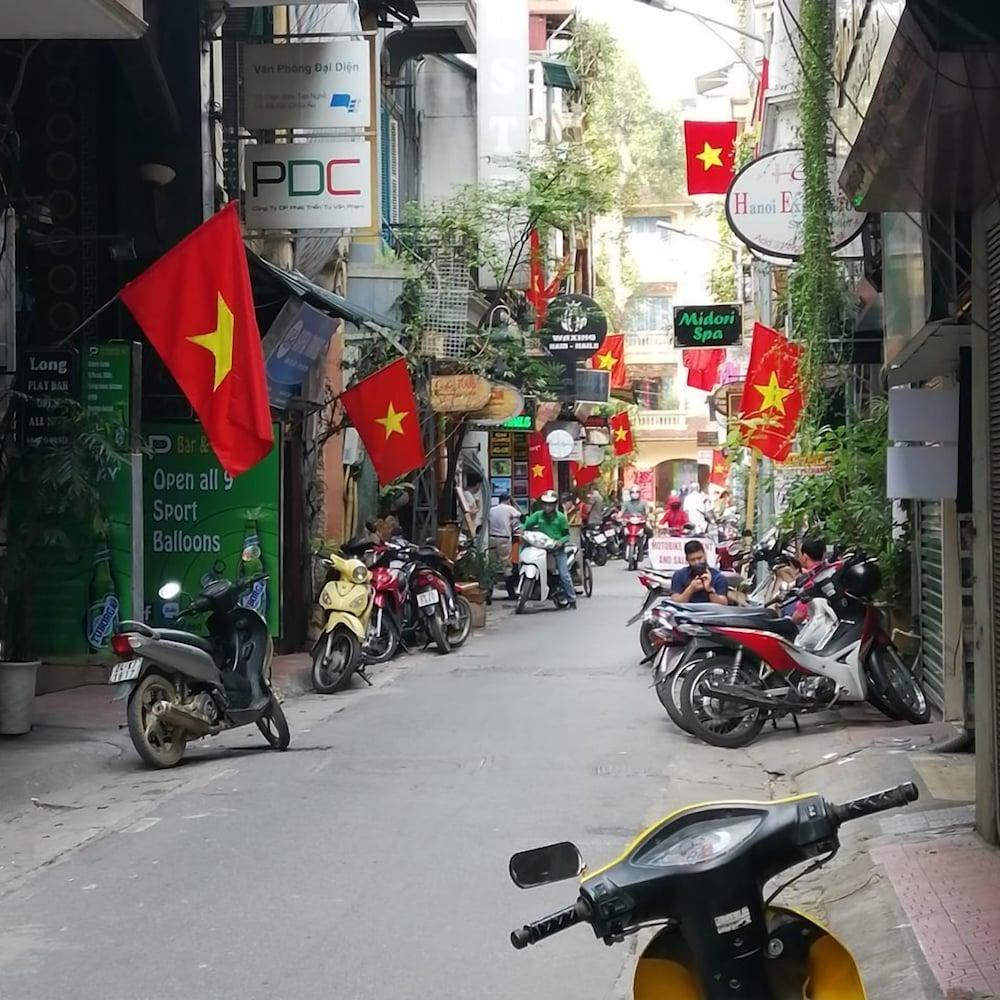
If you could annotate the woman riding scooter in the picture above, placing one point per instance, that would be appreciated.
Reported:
(674, 517)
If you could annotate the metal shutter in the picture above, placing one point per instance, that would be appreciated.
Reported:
(395, 209)
(930, 545)
(993, 277)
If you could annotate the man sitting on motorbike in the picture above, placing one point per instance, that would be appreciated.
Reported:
(674, 517)
(812, 556)
(698, 583)
(553, 522)
(635, 505)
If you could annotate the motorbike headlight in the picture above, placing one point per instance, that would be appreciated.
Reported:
(359, 574)
(698, 843)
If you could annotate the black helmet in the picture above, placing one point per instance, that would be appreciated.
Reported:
(861, 579)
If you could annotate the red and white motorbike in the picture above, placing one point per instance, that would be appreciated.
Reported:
(742, 673)
(635, 539)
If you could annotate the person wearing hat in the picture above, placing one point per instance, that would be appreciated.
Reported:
(674, 517)
(551, 521)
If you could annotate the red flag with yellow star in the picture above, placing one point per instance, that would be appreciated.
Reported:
(719, 476)
(611, 358)
(539, 293)
(540, 476)
(772, 394)
(384, 412)
(711, 156)
(196, 308)
(621, 434)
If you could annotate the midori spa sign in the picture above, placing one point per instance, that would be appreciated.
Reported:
(765, 205)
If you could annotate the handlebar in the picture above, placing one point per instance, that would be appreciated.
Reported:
(547, 926)
(868, 805)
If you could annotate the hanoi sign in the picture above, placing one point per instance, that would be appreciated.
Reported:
(310, 185)
(708, 326)
(765, 205)
(575, 328)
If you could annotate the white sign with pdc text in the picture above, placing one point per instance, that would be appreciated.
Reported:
(310, 185)
(312, 85)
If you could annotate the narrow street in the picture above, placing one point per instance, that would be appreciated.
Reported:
(370, 860)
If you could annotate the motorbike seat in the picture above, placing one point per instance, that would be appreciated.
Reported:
(783, 627)
(186, 639)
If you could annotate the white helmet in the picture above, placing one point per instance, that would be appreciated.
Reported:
(549, 496)
(634, 492)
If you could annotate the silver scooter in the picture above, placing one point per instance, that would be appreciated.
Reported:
(181, 686)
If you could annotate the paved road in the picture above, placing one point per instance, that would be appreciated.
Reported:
(369, 862)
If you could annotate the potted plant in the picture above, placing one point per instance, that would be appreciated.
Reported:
(50, 505)
(477, 573)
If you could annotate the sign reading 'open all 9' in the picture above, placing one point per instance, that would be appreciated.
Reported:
(310, 185)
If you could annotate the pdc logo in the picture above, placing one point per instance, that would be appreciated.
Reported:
(303, 178)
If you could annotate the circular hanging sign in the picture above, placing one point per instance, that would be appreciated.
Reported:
(575, 327)
(505, 401)
(560, 444)
(765, 205)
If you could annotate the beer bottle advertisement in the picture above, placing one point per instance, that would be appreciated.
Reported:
(104, 610)
(201, 524)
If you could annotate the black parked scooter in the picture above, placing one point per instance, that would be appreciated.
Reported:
(181, 686)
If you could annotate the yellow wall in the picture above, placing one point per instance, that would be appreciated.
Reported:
(652, 453)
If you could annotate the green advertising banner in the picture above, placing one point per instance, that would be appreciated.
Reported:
(80, 595)
(201, 524)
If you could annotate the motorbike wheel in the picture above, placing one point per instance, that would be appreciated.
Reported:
(876, 696)
(646, 639)
(158, 745)
(600, 555)
(335, 658)
(633, 562)
(712, 720)
(383, 644)
(274, 726)
(588, 579)
(669, 692)
(458, 633)
(438, 631)
(902, 691)
(524, 595)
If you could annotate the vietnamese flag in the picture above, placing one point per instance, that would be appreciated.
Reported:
(611, 358)
(719, 476)
(195, 306)
(621, 434)
(711, 156)
(539, 293)
(540, 476)
(584, 475)
(384, 412)
(772, 394)
(703, 366)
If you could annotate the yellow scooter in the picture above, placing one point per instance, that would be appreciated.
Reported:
(699, 874)
(347, 599)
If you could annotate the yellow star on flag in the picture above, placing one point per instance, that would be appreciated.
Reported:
(773, 395)
(620, 434)
(219, 343)
(538, 471)
(710, 156)
(392, 422)
(606, 362)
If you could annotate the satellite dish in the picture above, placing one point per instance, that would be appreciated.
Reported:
(560, 444)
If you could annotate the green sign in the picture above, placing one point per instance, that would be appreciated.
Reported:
(82, 594)
(708, 326)
(201, 524)
(525, 422)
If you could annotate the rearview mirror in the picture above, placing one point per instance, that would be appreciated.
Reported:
(545, 864)
(170, 591)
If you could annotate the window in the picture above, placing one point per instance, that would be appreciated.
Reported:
(649, 314)
(645, 225)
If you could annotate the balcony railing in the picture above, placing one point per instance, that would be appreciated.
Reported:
(662, 420)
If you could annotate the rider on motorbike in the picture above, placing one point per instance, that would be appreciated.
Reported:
(635, 505)
(674, 517)
(553, 522)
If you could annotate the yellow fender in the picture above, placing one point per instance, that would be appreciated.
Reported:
(337, 618)
(665, 970)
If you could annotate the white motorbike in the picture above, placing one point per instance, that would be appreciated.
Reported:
(538, 578)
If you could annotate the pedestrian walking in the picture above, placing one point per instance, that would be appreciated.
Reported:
(504, 518)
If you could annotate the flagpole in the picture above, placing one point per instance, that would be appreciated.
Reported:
(89, 319)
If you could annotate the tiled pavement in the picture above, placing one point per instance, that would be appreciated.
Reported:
(950, 890)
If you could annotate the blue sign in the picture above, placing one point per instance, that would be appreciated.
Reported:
(298, 338)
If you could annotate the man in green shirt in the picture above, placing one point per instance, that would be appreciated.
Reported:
(553, 522)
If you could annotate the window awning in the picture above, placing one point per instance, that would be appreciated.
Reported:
(273, 282)
(931, 352)
(560, 74)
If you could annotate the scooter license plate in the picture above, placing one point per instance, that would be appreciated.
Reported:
(125, 671)
(427, 597)
(600, 539)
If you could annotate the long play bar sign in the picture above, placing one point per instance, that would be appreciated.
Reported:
(708, 326)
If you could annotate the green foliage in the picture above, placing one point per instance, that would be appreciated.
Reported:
(48, 493)
(722, 280)
(480, 566)
(848, 504)
(625, 133)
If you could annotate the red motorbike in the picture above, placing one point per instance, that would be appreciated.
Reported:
(384, 633)
(635, 540)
